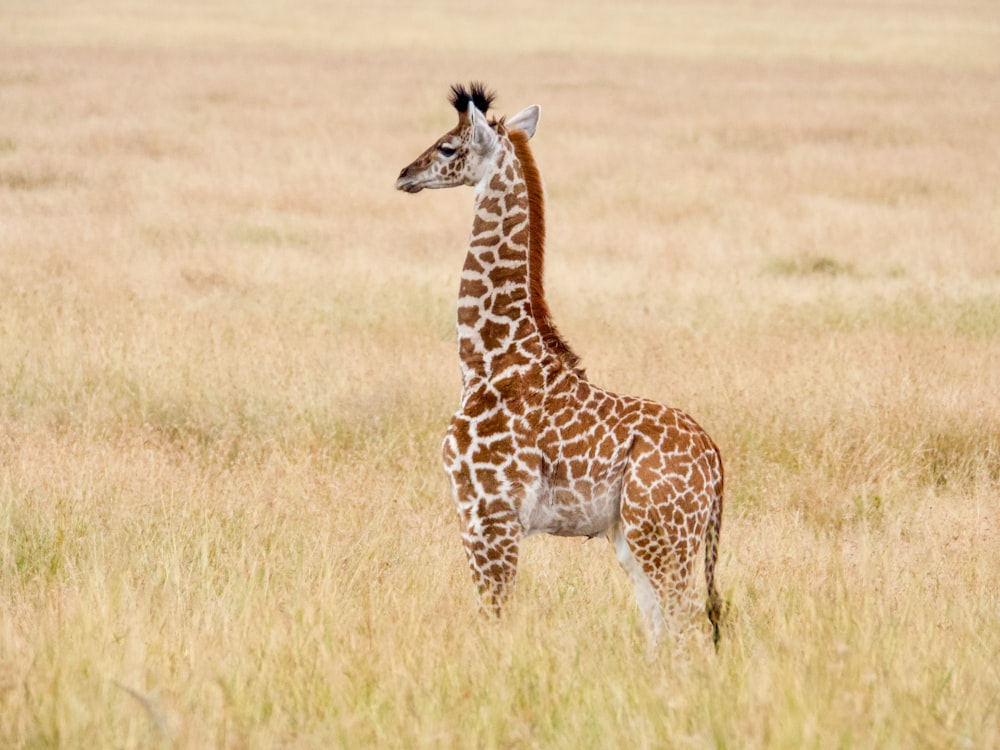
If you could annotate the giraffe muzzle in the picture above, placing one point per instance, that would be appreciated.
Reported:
(406, 183)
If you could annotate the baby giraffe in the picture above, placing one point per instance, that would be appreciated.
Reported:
(535, 447)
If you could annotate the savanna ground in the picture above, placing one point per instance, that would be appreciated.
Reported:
(227, 359)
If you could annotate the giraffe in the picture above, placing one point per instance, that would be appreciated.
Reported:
(534, 447)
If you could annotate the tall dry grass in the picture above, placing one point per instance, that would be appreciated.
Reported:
(226, 360)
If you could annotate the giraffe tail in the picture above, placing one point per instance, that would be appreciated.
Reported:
(714, 606)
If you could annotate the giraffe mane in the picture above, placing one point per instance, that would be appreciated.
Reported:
(477, 93)
(536, 254)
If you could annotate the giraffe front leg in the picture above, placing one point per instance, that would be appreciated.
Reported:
(487, 510)
(491, 544)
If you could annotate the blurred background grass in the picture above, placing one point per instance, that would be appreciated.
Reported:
(227, 358)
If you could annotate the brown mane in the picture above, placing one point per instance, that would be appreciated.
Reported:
(536, 254)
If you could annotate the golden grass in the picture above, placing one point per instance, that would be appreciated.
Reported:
(227, 358)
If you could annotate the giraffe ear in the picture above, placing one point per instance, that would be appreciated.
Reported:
(484, 139)
(526, 120)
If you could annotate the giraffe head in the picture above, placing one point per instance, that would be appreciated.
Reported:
(465, 154)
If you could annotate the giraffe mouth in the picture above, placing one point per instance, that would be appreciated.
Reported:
(407, 186)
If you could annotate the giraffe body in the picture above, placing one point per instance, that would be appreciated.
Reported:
(534, 446)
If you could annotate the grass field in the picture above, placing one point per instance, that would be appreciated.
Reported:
(227, 360)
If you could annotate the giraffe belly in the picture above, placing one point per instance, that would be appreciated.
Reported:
(571, 509)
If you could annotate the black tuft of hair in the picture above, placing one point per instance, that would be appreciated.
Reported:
(477, 93)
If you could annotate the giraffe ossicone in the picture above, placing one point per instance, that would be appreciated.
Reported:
(534, 447)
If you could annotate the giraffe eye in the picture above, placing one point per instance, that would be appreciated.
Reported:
(446, 151)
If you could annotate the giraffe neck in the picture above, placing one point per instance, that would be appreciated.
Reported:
(494, 311)
(501, 304)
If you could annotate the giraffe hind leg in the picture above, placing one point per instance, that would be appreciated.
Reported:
(649, 600)
(661, 578)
